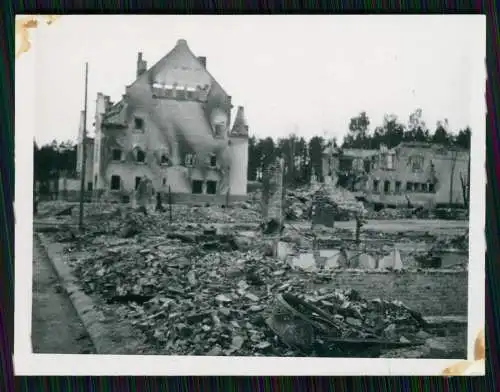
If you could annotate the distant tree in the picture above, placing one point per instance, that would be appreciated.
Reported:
(417, 130)
(358, 136)
(463, 138)
(268, 153)
(254, 158)
(54, 159)
(441, 135)
(316, 146)
(390, 133)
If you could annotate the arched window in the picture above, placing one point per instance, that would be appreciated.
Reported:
(140, 155)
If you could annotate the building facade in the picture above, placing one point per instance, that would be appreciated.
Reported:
(172, 126)
(410, 173)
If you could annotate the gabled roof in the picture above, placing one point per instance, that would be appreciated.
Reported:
(117, 116)
(181, 45)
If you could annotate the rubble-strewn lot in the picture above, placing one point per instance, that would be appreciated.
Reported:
(213, 288)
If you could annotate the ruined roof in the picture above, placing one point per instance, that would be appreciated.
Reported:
(178, 74)
(240, 125)
(358, 152)
(190, 75)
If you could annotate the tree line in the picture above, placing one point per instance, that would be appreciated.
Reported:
(303, 159)
(54, 160)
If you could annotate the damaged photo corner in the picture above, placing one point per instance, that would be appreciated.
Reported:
(252, 214)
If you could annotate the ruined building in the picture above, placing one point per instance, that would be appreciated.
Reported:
(413, 172)
(173, 126)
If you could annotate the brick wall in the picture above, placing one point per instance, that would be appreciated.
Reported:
(432, 293)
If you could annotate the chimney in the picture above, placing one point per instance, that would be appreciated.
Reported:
(203, 61)
(141, 65)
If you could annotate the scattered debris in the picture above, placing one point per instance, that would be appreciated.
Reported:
(216, 289)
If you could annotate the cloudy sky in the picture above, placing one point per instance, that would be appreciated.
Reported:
(302, 74)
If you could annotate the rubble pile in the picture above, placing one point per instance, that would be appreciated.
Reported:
(341, 319)
(391, 213)
(451, 214)
(99, 213)
(191, 301)
(459, 242)
(300, 202)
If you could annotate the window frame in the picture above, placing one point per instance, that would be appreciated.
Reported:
(200, 182)
(115, 177)
(138, 120)
(417, 163)
(113, 151)
(209, 182)
(137, 152)
(213, 163)
(387, 185)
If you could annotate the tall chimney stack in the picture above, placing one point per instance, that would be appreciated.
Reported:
(141, 65)
(203, 61)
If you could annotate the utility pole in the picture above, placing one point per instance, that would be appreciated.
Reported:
(84, 150)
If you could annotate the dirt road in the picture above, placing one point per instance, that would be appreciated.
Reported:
(56, 328)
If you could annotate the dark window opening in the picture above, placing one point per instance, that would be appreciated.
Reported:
(117, 154)
(375, 185)
(164, 159)
(219, 130)
(138, 123)
(398, 186)
(190, 94)
(387, 186)
(115, 183)
(89, 186)
(211, 187)
(197, 186)
(137, 182)
(213, 160)
(164, 181)
(141, 156)
(409, 186)
(367, 165)
(95, 181)
(345, 164)
(431, 188)
(424, 187)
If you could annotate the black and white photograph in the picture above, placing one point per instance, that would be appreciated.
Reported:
(233, 188)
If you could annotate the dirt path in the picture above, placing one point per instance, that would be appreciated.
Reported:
(56, 328)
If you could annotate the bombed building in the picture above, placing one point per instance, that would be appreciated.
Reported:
(173, 127)
(412, 173)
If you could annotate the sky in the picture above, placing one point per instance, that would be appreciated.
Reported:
(303, 74)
